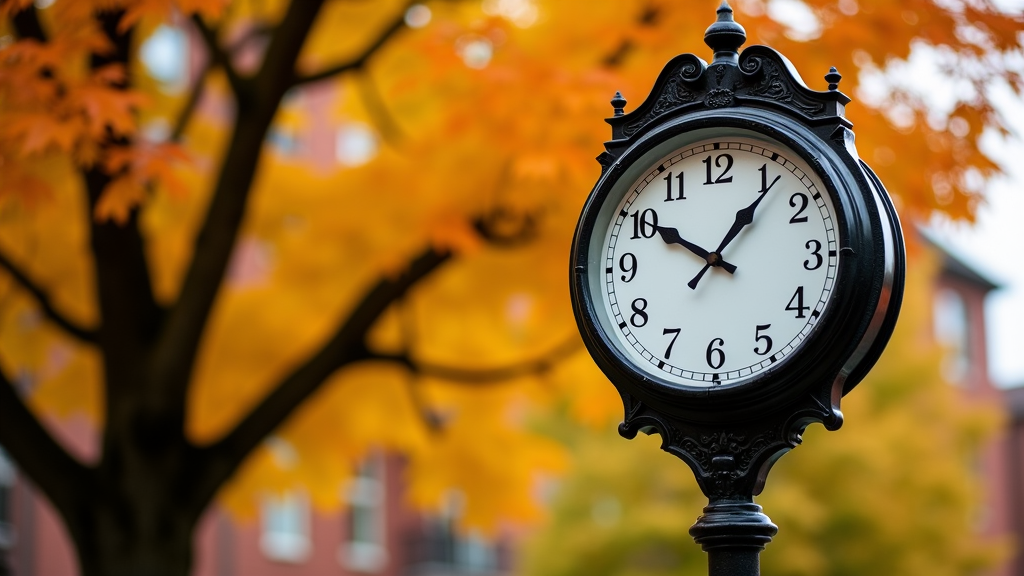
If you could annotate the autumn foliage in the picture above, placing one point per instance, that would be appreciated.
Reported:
(237, 312)
(888, 493)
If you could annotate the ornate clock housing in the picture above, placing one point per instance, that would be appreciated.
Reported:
(737, 268)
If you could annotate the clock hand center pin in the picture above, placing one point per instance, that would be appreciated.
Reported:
(672, 236)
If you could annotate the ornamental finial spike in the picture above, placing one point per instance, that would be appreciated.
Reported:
(618, 104)
(833, 77)
(725, 36)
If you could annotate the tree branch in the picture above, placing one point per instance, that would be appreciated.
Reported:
(130, 314)
(375, 105)
(345, 347)
(430, 418)
(251, 34)
(178, 343)
(219, 57)
(64, 480)
(397, 24)
(43, 299)
(27, 25)
(505, 228)
(185, 114)
(486, 375)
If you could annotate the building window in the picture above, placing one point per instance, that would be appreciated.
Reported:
(286, 535)
(365, 549)
(442, 549)
(6, 501)
(475, 555)
(952, 332)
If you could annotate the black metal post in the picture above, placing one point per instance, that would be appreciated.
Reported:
(733, 532)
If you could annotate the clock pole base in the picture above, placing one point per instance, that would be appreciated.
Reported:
(733, 533)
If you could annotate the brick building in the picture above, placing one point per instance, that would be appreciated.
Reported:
(377, 534)
(959, 324)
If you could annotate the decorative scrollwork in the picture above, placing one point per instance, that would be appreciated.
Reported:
(773, 83)
(719, 98)
(752, 69)
(690, 71)
(725, 458)
(719, 74)
(675, 94)
(742, 448)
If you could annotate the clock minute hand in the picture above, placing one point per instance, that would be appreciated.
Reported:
(743, 217)
(671, 236)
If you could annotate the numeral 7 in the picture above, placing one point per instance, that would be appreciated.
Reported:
(675, 331)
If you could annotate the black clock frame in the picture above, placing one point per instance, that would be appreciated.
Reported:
(732, 433)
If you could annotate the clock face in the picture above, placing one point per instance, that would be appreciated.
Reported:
(717, 262)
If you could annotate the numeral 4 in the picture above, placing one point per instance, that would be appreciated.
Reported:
(798, 300)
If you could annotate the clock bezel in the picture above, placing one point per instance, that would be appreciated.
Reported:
(824, 355)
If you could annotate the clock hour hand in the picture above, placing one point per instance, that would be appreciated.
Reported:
(671, 236)
(743, 217)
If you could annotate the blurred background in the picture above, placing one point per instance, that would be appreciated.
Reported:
(283, 291)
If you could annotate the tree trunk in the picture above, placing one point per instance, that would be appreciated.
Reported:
(116, 549)
(138, 526)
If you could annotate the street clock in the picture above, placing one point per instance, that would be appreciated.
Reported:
(737, 268)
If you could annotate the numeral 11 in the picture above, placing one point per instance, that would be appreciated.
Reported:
(668, 187)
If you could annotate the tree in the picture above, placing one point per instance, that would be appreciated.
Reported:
(197, 290)
(891, 492)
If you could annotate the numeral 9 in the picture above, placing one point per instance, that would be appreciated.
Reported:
(627, 263)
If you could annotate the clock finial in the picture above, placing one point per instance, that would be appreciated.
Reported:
(618, 104)
(725, 36)
(833, 77)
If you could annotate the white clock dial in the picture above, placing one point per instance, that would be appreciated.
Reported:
(719, 261)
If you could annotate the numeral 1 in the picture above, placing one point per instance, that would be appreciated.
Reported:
(765, 186)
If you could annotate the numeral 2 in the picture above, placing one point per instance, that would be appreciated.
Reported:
(801, 199)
